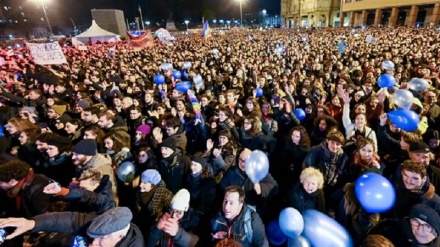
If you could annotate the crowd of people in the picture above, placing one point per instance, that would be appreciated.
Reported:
(70, 130)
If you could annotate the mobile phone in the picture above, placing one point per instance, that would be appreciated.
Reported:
(3, 235)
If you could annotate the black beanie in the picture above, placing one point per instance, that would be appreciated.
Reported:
(200, 160)
(86, 147)
(59, 141)
(427, 214)
(169, 143)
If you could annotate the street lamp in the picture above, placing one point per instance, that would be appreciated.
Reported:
(214, 21)
(186, 23)
(241, 12)
(45, 15)
(148, 23)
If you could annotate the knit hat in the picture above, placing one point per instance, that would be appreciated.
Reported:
(151, 176)
(181, 200)
(83, 103)
(419, 147)
(86, 147)
(59, 109)
(111, 221)
(427, 214)
(169, 143)
(63, 119)
(417, 102)
(200, 160)
(58, 141)
(29, 109)
(144, 129)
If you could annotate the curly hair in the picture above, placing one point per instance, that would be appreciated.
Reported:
(312, 172)
(14, 169)
(256, 126)
(415, 167)
(304, 142)
(228, 242)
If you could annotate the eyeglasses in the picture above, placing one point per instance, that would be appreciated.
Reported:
(176, 212)
(425, 227)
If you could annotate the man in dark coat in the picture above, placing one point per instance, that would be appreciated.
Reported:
(256, 194)
(110, 229)
(25, 188)
(235, 219)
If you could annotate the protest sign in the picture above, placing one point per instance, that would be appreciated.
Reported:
(47, 53)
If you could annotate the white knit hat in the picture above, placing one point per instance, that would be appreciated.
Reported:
(181, 200)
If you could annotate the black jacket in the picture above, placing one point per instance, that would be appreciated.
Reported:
(299, 199)
(75, 223)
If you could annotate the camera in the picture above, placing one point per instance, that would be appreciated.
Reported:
(3, 235)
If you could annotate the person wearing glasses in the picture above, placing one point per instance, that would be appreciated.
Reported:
(256, 194)
(420, 228)
(175, 226)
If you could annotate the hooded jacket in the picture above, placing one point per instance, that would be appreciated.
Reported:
(102, 163)
(332, 165)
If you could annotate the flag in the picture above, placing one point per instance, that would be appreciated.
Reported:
(206, 31)
(140, 41)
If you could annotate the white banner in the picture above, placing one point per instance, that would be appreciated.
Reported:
(47, 53)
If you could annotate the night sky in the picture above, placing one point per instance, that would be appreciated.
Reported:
(156, 10)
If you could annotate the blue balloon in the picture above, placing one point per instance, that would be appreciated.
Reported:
(321, 230)
(375, 193)
(259, 92)
(185, 75)
(274, 233)
(386, 80)
(257, 166)
(159, 79)
(177, 74)
(183, 86)
(2, 131)
(404, 119)
(124, 170)
(291, 222)
(300, 114)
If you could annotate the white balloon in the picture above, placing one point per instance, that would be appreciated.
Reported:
(388, 65)
(403, 98)
(418, 84)
(187, 65)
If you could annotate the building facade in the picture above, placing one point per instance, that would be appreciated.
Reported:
(310, 13)
(408, 13)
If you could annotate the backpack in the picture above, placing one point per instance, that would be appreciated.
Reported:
(249, 232)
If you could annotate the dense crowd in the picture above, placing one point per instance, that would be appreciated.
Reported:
(71, 131)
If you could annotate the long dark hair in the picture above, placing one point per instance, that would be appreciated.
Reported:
(304, 142)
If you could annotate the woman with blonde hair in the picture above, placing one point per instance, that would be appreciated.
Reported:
(308, 193)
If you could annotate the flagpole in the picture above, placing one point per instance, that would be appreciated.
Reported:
(142, 19)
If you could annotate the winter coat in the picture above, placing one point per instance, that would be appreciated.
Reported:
(406, 199)
(184, 236)
(76, 223)
(173, 170)
(299, 199)
(148, 212)
(260, 141)
(235, 176)
(399, 232)
(202, 191)
(97, 201)
(236, 228)
(60, 169)
(332, 165)
(102, 163)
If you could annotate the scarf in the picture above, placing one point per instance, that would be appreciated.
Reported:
(22, 184)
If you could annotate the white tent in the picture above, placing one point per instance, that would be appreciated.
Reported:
(94, 34)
